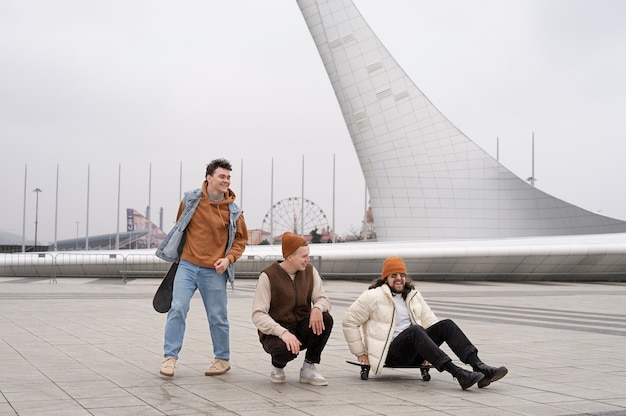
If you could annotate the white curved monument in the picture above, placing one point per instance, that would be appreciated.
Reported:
(426, 179)
(439, 201)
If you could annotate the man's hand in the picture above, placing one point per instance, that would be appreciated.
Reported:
(364, 359)
(221, 265)
(316, 321)
(293, 344)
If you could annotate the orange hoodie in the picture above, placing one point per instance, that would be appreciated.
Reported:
(207, 232)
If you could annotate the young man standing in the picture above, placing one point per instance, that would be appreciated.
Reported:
(209, 236)
(291, 311)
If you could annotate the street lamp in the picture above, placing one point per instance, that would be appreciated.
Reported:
(77, 222)
(36, 190)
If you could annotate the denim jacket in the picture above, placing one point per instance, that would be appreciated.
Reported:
(172, 246)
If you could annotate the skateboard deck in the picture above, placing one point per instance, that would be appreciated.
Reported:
(162, 300)
(365, 369)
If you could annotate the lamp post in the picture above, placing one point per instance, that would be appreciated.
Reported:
(36, 190)
(77, 222)
(532, 178)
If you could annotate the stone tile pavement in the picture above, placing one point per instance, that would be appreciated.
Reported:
(94, 347)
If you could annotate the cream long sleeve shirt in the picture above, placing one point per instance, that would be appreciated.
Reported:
(262, 298)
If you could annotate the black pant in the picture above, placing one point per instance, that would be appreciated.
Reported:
(313, 344)
(416, 344)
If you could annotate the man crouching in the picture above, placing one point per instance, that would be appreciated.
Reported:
(291, 312)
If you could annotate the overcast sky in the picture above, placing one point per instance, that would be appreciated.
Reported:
(150, 85)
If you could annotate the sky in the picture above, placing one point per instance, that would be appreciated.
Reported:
(123, 103)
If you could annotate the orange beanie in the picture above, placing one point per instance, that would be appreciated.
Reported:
(393, 265)
(291, 243)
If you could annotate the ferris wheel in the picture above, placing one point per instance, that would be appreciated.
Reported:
(297, 215)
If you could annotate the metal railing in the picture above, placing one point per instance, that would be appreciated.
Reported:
(94, 264)
(83, 264)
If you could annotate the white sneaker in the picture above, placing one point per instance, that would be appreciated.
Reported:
(309, 375)
(278, 375)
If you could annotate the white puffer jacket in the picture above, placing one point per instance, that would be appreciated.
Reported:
(368, 324)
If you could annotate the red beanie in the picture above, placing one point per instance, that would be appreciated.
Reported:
(291, 243)
(393, 265)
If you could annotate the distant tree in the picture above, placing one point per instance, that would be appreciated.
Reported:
(264, 243)
(353, 234)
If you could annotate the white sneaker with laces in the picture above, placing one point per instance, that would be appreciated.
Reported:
(309, 375)
(278, 375)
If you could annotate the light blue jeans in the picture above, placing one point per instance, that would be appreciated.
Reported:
(212, 287)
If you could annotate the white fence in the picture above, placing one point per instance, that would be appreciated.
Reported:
(109, 264)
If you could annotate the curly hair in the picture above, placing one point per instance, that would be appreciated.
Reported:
(408, 285)
(217, 163)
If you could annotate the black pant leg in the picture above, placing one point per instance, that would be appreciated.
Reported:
(448, 331)
(412, 346)
(314, 344)
(277, 348)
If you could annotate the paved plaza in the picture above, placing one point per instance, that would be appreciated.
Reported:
(94, 347)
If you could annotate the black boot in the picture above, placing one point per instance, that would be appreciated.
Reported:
(491, 374)
(467, 378)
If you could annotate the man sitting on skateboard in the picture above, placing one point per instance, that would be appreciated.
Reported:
(401, 330)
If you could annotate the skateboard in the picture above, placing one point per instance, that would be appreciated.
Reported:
(365, 369)
(162, 300)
